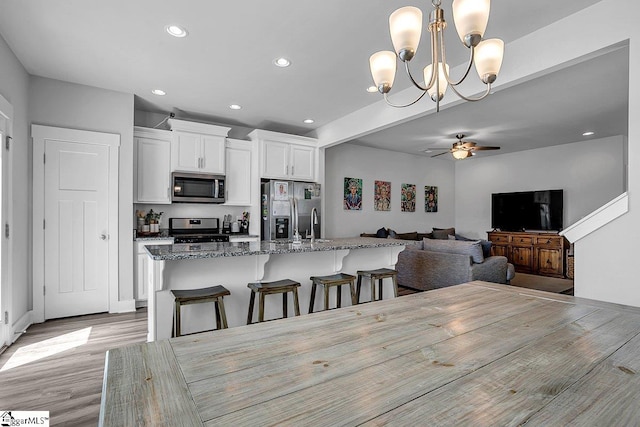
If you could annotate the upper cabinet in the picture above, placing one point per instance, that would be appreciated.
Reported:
(239, 163)
(152, 177)
(284, 156)
(197, 147)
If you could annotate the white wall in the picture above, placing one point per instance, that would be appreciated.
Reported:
(589, 172)
(14, 86)
(62, 104)
(353, 161)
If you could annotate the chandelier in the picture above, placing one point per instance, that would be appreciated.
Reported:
(405, 25)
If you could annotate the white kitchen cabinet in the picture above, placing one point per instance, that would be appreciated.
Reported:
(243, 238)
(141, 263)
(152, 177)
(197, 147)
(239, 160)
(284, 156)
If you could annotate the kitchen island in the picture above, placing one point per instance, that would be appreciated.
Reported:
(234, 265)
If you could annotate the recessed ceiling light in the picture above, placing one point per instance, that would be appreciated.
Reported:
(308, 121)
(282, 62)
(176, 31)
(372, 89)
(235, 106)
(158, 92)
(588, 133)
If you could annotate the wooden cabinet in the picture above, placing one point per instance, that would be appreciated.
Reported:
(535, 253)
(152, 177)
(141, 263)
(239, 160)
(198, 147)
(284, 156)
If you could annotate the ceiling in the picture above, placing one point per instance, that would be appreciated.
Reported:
(227, 58)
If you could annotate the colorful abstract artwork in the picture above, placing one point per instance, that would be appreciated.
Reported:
(430, 198)
(408, 198)
(382, 196)
(352, 194)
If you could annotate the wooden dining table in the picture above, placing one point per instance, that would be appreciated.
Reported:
(477, 354)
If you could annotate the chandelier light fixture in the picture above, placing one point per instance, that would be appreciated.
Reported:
(405, 25)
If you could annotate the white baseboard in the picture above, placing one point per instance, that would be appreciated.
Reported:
(123, 306)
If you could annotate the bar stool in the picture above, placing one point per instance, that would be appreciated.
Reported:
(338, 280)
(267, 288)
(213, 294)
(379, 275)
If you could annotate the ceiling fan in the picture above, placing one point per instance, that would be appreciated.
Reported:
(463, 149)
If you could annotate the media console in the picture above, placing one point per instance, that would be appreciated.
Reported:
(539, 253)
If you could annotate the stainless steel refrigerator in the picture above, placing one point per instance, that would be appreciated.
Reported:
(277, 210)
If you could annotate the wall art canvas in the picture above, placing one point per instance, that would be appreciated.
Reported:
(382, 196)
(353, 194)
(408, 198)
(430, 198)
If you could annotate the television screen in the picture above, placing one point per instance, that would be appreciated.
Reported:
(527, 210)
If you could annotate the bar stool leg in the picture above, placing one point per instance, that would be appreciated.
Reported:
(339, 296)
(251, 301)
(285, 310)
(223, 314)
(326, 296)
(373, 289)
(379, 288)
(296, 305)
(313, 296)
(352, 290)
(358, 289)
(176, 320)
(261, 308)
(217, 313)
(395, 285)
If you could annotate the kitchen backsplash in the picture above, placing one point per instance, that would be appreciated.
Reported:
(189, 210)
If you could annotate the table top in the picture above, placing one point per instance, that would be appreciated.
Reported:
(265, 247)
(472, 354)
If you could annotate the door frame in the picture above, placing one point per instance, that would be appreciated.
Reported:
(40, 134)
(7, 330)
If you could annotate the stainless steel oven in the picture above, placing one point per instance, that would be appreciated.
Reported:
(197, 188)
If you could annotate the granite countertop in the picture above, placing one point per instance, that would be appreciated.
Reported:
(217, 250)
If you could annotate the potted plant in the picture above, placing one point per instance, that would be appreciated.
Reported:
(153, 218)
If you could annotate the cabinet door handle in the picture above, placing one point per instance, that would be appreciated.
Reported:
(287, 172)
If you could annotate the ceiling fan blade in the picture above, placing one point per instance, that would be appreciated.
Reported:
(440, 154)
(468, 144)
(437, 148)
(477, 147)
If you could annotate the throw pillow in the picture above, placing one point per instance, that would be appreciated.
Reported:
(368, 235)
(450, 237)
(425, 236)
(382, 233)
(486, 248)
(443, 233)
(391, 234)
(471, 248)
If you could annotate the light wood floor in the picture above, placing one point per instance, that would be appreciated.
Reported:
(57, 366)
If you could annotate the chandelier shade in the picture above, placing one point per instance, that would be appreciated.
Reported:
(383, 69)
(441, 84)
(405, 27)
(471, 18)
(489, 59)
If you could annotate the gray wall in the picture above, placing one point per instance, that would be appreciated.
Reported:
(353, 161)
(589, 172)
(62, 104)
(14, 86)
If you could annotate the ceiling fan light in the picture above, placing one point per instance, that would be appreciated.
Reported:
(405, 26)
(442, 83)
(471, 18)
(488, 59)
(460, 154)
(383, 69)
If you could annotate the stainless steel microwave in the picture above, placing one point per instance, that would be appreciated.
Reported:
(197, 188)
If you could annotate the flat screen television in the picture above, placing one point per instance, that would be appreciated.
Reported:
(527, 210)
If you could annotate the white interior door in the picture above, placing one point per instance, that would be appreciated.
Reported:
(76, 229)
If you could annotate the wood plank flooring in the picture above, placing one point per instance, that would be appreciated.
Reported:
(58, 365)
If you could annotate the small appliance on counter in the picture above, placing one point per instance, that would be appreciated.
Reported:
(196, 230)
(226, 224)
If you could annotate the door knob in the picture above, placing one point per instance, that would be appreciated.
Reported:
(103, 237)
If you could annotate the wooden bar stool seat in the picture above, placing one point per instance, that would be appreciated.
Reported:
(266, 288)
(327, 282)
(379, 275)
(213, 294)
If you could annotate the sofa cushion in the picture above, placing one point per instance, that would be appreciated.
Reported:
(471, 248)
(443, 233)
(486, 245)
(424, 236)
